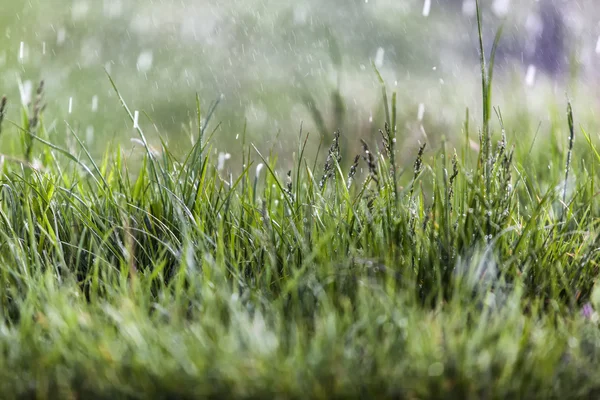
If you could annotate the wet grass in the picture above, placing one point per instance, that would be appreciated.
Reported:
(464, 272)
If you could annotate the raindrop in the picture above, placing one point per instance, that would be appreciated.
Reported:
(22, 50)
(221, 160)
(25, 92)
(469, 7)
(379, 57)
(70, 105)
(259, 168)
(61, 35)
(89, 134)
(598, 46)
(113, 8)
(80, 10)
(144, 61)
(421, 112)
(426, 8)
(501, 7)
(300, 15)
(94, 103)
(136, 116)
(530, 76)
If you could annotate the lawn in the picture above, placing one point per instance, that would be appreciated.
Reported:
(465, 269)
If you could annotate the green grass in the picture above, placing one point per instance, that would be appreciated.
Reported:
(454, 274)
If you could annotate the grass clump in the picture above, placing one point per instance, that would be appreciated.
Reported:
(437, 277)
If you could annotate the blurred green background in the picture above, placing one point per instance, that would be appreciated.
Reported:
(277, 65)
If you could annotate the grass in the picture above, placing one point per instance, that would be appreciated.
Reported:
(455, 274)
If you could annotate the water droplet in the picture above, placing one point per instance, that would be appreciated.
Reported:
(421, 112)
(379, 57)
(79, 10)
(136, 116)
(70, 105)
(530, 76)
(469, 8)
(89, 134)
(436, 369)
(426, 8)
(501, 7)
(221, 160)
(113, 8)
(61, 35)
(144, 61)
